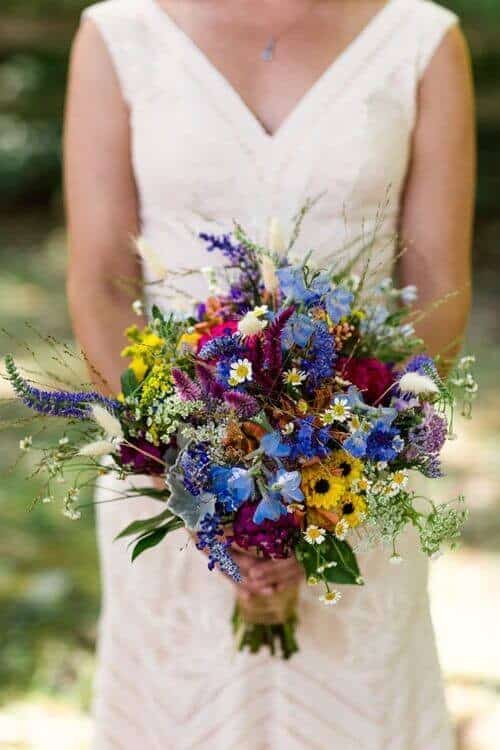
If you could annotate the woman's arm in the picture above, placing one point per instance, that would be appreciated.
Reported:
(101, 208)
(438, 205)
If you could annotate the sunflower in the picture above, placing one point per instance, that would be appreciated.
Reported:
(322, 488)
(325, 483)
(352, 508)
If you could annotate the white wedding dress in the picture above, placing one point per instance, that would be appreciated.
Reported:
(367, 676)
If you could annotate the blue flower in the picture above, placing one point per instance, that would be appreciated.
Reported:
(292, 283)
(309, 441)
(232, 486)
(298, 330)
(321, 356)
(270, 507)
(274, 446)
(338, 303)
(380, 442)
(287, 483)
(210, 535)
(356, 444)
(375, 320)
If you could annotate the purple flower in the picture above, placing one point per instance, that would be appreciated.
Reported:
(142, 457)
(274, 539)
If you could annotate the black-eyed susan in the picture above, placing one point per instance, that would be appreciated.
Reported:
(321, 487)
(352, 508)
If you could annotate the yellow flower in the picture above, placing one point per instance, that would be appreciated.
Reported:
(321, 488)
(189, 340)
(157, 384)
(302, 406)
(353, 509)
(139, 368)
(144, 345)
(325, 483)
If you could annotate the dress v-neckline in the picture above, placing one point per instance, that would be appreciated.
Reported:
(201, 64)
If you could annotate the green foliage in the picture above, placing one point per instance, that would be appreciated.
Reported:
(345, 567)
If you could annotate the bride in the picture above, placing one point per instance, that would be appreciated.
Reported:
(182, 116)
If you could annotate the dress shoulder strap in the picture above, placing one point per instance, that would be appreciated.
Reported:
(432, 23)
(125, 33)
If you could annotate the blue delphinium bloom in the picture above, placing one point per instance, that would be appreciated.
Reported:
(287, 483)
(274, 446)
(338, 303)
(210, 536)
(356, 444)
(292, 283)
(232, 486)
(321, 356)
(270, 507)
(195, 465)
(298, 330)
(386, 414)
(381, 442)
(308, 441)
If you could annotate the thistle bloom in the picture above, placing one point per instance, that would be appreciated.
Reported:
(418, 384)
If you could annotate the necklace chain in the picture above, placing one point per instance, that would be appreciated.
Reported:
(269, 50)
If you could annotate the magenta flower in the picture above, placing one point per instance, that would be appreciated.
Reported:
(371, 376)
(273, 538)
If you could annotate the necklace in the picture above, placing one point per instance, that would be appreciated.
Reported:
(269, 50)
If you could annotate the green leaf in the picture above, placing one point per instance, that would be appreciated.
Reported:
(129, 382)
(346, 569)
(145, 524)
(150, 540)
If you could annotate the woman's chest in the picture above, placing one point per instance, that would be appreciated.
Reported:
(198, 147)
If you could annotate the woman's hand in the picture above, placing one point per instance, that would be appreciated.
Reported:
(266, 577)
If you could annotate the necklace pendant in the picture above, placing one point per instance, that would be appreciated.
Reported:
(268, 52)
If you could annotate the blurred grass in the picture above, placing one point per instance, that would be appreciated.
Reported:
(49, 588)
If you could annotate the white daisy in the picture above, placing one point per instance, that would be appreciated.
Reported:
(339, 411)
(294, 377)
(398, 481)
(330, 598)
(341, 529)
(312, 581)
(362, 484)
(241, 370)
(314, 534)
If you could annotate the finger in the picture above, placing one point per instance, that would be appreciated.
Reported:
(273, 570)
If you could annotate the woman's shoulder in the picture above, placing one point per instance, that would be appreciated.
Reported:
(125, 29)
(113, 11)
(427, 24)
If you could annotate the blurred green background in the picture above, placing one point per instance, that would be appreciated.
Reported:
(49, 589)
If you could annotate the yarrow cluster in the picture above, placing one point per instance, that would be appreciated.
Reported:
(282, 416)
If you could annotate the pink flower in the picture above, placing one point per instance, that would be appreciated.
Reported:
(221, 329)
(373, 377)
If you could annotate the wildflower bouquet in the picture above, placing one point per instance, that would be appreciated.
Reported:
(282, 416)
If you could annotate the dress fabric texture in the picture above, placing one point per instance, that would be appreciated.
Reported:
(367, 676)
